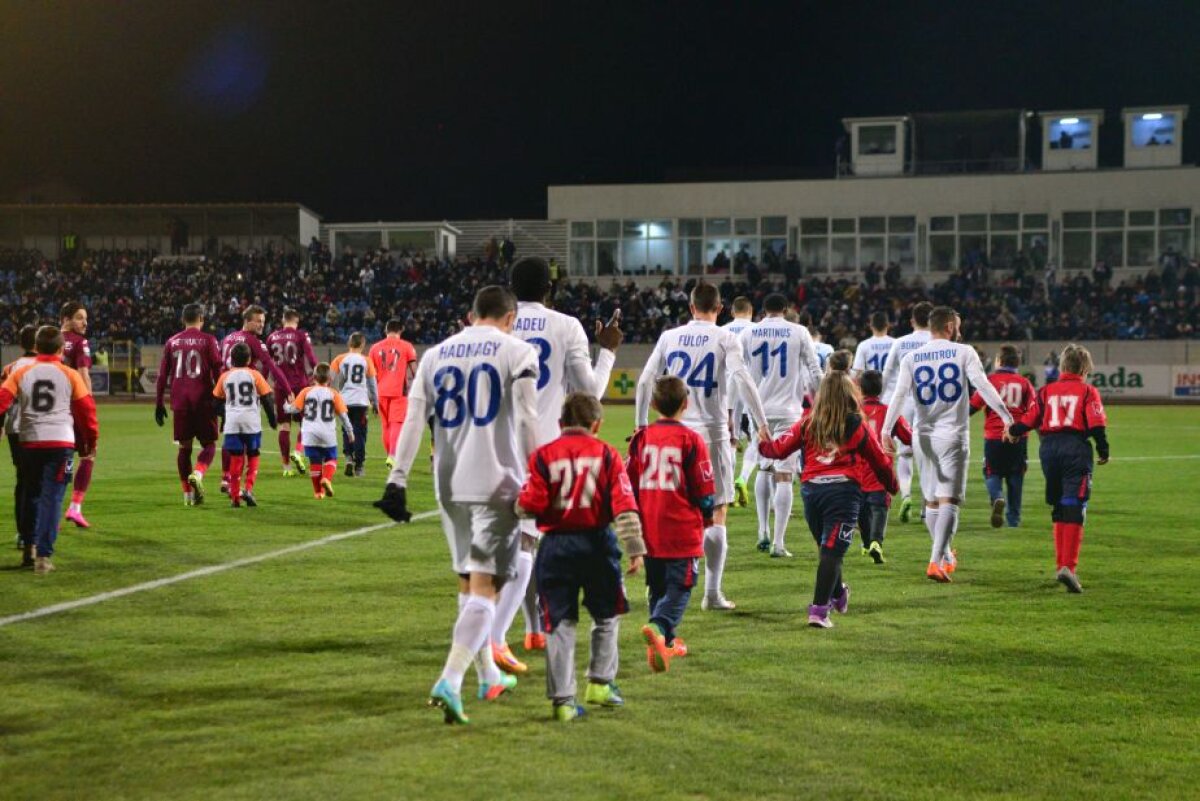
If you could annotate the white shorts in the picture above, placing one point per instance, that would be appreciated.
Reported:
(483, 538)
(780, 426)
(720, 452)
(942, 463)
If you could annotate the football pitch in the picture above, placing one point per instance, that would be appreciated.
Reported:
(305, 675)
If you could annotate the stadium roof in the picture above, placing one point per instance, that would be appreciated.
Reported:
(269, 205)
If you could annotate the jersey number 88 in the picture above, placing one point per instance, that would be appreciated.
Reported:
(944, 385)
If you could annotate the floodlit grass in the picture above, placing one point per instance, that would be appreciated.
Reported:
(306, 676)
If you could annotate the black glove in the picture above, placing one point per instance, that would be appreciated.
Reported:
(394, 503)
(269, 408)
(160, 415)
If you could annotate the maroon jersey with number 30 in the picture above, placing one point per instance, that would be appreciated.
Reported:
(292, 351)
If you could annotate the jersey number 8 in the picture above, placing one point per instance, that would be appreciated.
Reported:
(945, 387)
(451, 407)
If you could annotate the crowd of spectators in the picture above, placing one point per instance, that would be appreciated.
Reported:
(134, 295)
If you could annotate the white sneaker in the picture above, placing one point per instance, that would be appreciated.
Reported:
(781, 553)
(717, 603)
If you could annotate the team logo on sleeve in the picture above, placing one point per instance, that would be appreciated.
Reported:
(706, 470)
(625, 484)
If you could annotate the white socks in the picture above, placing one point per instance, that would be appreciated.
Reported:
(783, 511)
(764, 486)
(511, 597)
(947, 523)
(931, 517)
(714, 560)
(749, 460)
(485, 663)
(470, 634)
(904, 473)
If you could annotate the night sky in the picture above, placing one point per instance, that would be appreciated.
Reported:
(402, 110)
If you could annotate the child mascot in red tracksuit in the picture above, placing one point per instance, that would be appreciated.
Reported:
(577, 488)
(874, 514)
(835, 441)
(1066, 414)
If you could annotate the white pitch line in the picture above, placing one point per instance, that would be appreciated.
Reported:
(1154, 458)
(92, 600)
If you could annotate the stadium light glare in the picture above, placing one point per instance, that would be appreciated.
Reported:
(1154, 116)
(1069, 121)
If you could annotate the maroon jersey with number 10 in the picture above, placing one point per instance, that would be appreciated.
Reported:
(191, 364)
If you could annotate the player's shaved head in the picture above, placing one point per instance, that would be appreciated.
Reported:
(192, 313)
(879, 322)
(530, 279)
(1009, 356)
(321, 373)
(742, 305)
(356, 340)
(669, 395)
(48, 340)
(394, 326)
(581, 410)
(291, 316)
(942, 319)
(920, 313)
(871, 383)
(1076, 360)
(251, 312)
(706, 299)
(28, 338)
(775, 303)
(240, 355)
(493, 303)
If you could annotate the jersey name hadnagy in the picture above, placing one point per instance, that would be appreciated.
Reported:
(355, 370)
(901, 347)
(872, 354)
(936, 375)
(241, 388)
(564, 362)
(783, 363)
(705, 357)
(466, 384)
(319, 408)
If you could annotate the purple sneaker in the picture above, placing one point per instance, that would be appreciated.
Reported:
(841, 604)
(818, 616)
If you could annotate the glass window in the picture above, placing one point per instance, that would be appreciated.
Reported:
(1035, 221)
(902, 251)
(1004, 248)
(773, 255)
(1069, 133)
(714, 248)
(1174, 238)
(691, 228)
(1077, 219)
(1077, 250)
(843, 257)
(659, 229)
(633, 229)
(606, 258)
(412, 240)
(774, 226)
(814, 253)
(972, 248)
(902, 225)
(876, 140)
(1110, 247)
(691, 256)
(1004, 222)
(633, 257)
(660, 255)
(359, 241)
(718, 226)
(745, 226)
(1175, 217)
(871, 249)
(583, 258)
(972, 222)
(1153, 130)
(843, 225)
(814, 225)
(1141, 218)
(872, 225)
(1036, 247)
(941, 223)
(583, 229)
(941, 252)
(1140, 250)
(608, 229)
(1110, 219)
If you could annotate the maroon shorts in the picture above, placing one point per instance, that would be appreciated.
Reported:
(281, 415)
(195, 423)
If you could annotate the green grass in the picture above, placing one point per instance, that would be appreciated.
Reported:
(306, 676)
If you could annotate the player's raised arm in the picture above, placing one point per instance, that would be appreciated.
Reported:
(979, 379)
(581, 376)
(645, 386)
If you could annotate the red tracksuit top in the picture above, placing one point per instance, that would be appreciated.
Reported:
(1016, 392)
(576, 483)
(672, 475)
(874, 413)
(822, 465)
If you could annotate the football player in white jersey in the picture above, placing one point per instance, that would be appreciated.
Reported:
(934, 378)
(709, 360)
(564, 366)
(478, 389)
(743, 318)
(901, 347)
(783, 362)
(873, 351)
